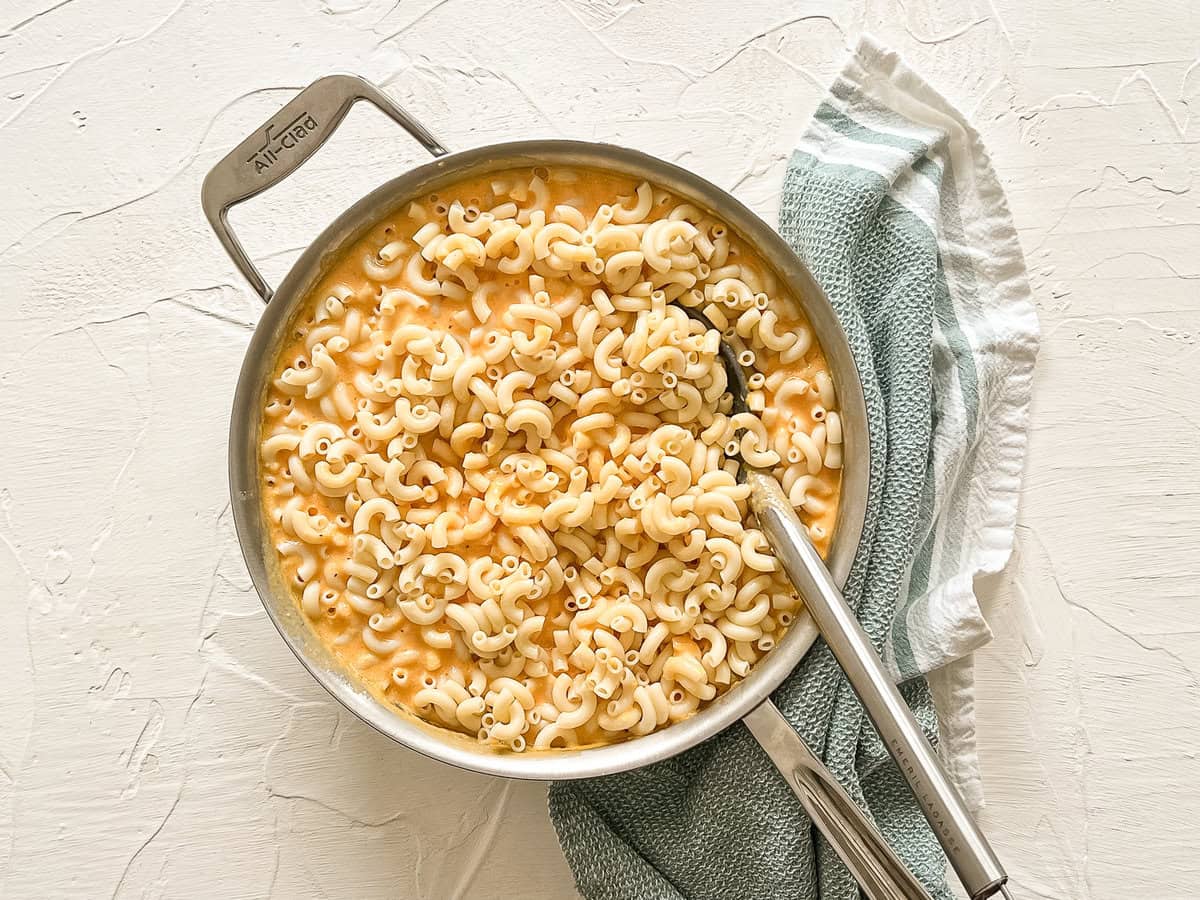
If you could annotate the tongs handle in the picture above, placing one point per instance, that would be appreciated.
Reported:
(879, 872)
(282, 145)
(965, 845)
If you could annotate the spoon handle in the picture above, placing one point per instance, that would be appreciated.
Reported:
(965, 845)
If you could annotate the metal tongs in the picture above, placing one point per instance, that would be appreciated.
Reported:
(851, 833)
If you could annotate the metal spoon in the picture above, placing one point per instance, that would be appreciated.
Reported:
(964, 843)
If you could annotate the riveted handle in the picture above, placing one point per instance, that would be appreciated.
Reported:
(854, 837)
(281, 146)
(960, 836)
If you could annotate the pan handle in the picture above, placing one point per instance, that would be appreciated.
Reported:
(879, 872)
(965, 844)
(281, 146)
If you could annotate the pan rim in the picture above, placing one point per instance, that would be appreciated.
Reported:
(405, 728)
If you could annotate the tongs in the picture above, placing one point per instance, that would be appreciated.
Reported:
(854, 837)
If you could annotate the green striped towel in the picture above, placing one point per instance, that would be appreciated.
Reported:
(891, 200)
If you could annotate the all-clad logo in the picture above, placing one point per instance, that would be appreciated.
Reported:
(276, 141)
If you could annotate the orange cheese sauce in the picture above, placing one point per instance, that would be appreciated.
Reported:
(360, 282)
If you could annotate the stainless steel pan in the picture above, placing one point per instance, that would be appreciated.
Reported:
(275, 151)
(279, 148)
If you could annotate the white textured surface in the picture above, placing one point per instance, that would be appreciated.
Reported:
(157, 739)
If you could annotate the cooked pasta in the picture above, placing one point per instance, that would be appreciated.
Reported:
(500, 465)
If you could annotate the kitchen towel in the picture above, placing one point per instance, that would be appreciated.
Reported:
(891, 200)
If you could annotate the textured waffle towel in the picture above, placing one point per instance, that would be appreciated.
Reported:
(892, 202)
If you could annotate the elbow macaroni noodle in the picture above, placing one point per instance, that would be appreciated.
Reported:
(499, 462)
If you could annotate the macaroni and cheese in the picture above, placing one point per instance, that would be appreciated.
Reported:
(500, 465)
